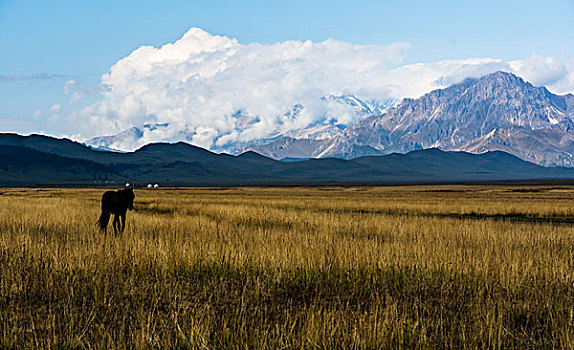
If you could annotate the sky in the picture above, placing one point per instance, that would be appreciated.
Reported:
(85, 68)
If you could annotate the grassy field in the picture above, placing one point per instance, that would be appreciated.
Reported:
(402, 267)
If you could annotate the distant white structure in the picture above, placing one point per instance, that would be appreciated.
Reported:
(155, 186)
(149, 186)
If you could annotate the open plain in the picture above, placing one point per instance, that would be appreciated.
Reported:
(321, 267)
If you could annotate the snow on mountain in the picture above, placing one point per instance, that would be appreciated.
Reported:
(127, 140)
(335, 108)
(371, 107)
(499, 111)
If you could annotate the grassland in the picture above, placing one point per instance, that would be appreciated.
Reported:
(401, 267)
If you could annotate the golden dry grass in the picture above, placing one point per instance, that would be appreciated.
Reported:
(426, 267)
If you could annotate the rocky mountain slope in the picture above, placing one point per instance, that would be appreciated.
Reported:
(499, 111)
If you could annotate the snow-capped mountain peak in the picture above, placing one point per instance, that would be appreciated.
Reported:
(499, 111)
(320, 127)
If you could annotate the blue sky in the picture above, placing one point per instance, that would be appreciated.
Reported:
(44, 44)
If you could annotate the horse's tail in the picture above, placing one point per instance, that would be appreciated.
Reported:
(103, 220)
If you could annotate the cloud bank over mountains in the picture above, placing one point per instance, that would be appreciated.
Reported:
(212, 90)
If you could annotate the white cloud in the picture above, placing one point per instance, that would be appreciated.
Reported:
(543, 71)
(56, 107)
(418, 79)
(199, 83)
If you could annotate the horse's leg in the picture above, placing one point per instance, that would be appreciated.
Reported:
(116, 223)
(103, 220)
(123, 217)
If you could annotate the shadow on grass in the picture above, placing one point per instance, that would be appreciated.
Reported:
(134, 305)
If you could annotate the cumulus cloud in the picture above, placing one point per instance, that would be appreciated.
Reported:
(544, 71)
(199, 83)
(213, 90)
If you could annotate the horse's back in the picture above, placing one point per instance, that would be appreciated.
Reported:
(109, 194)
(109, 198)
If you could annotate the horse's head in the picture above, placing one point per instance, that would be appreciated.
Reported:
(129, 196)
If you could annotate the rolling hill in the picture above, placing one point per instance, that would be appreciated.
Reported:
(41, 160)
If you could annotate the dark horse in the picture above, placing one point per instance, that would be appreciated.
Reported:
(117, 203)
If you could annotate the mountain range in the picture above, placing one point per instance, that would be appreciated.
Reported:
(42, 160)
(324, 128)
(498, 112)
